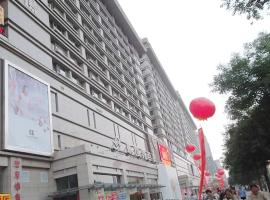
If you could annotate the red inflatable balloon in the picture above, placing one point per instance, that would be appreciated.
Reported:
(220, 172)
(202, 108)
(197, 156)
(190, 148)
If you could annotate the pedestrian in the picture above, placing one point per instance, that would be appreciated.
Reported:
(256, 194)
(229, 195)
(192, 197)
(242, 193)
(209, 195)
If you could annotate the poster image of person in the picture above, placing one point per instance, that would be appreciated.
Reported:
(28, 107)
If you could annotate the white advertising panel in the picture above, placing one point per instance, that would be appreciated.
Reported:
(27, 112)
(167, 176)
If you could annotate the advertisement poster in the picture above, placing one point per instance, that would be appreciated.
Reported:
(111, 196)
(27, 112)
(164, 155)
(122, 196)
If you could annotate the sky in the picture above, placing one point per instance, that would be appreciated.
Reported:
(191, 38)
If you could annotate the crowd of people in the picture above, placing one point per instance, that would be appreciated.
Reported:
(252, 193)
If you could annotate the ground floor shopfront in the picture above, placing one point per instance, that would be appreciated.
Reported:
(79, 173)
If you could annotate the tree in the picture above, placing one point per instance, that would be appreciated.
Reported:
(246, 79)
(252, 8)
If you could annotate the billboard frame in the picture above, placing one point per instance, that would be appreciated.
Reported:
(6, 146)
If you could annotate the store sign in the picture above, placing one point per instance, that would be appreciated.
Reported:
(2, 20)
(99, 195)
(111, 196)
(131, 150)
(5, 197)
(27, 112)
(2, 15)
(16, 169)
(164, 155)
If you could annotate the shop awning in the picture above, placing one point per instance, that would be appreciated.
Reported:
(72, 191)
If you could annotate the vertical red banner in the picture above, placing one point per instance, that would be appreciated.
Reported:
(203, 161)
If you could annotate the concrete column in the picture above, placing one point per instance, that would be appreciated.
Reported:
(125, 181)
(85, 70)
(85, 176)
(87, 87)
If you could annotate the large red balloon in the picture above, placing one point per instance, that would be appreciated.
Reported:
(197, 156)
(202, 108)
(190, 148)
(220, 172)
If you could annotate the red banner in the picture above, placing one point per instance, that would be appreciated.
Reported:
(203, 161)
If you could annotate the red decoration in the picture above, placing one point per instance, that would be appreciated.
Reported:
(17, 175)
(207, 173)
(17, 196)
(197, 156)
(17, 163)
(202, 108)
(17, 186)
(190, 148)
(220, 172)
(2, 30)
(203, 161)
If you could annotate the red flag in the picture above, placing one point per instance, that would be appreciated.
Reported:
(203, 161)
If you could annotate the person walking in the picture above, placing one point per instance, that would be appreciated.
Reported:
(209, 195)
(256, 194)
(229, 195)
(242, 193)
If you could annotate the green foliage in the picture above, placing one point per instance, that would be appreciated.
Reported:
(246, 79)
(252, 8)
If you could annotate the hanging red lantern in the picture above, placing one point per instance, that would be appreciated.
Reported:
(220, 172)
(197, 156)
(202, 108)
(207, 173)
(190, 148)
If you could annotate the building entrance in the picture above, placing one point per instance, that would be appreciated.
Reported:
(137, 196)
(70, 197)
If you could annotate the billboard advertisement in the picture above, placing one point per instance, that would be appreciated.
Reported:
(164, 155)
(28, 126)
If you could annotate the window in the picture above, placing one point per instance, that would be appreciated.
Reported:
(54, 102)
(136, 180)
(106, 178)
(67, 182)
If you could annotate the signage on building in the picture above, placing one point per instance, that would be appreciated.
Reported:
(99, 195)
(16, 169)
(5, 197)
(2, 15)
(111, 196)
(27, 112)
(130, 150)
(164, 155)
(2, 20)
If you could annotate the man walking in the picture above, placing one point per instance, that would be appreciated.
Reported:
(256, 194)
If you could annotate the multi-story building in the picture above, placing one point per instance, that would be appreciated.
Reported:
(170, 118)
(189, 178)
(210, 163)
(74, 116)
